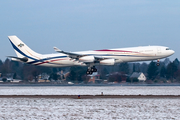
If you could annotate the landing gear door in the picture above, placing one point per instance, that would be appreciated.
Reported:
(158, 50)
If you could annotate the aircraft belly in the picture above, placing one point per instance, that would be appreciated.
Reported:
(62, 62)
(133, 59)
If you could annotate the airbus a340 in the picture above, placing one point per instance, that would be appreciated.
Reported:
(87, 58)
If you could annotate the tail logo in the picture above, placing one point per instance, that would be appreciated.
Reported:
(20, 45)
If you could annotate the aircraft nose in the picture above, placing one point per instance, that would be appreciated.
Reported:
(172, 52)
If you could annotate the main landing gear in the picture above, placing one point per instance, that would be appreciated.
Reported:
(90, 70)
(158, 62)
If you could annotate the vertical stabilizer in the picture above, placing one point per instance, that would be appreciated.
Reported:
(22, 50)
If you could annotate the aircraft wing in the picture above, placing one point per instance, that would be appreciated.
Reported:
(77, 56)
(71, 55)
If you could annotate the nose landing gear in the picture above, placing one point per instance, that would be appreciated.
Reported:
(158, 62)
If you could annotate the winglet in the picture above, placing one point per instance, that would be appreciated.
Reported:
(57, 50)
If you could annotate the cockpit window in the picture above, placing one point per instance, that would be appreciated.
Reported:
(167, 49)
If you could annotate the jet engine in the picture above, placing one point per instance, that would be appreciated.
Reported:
(107, 62)
(87, 59)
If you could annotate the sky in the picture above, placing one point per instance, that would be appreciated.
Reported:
(78, 25)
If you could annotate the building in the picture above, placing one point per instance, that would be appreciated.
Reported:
(44, 76)
(16, 81)
(117, 77)
(43, 81)
(94, 78)
(140, 76)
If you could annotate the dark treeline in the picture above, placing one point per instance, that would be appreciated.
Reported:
(24, 71)
(168, 70)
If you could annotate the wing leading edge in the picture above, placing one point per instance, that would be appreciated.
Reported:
(79, 56)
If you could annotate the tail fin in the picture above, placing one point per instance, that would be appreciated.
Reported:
(22, 50)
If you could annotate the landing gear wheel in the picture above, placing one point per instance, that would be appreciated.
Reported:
(157, 64)
(87, 72)
(91, 70)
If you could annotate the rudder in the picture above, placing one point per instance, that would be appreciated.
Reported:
(21, 49)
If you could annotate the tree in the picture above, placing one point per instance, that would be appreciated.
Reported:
(1, 64)
(166, 61)
(76, 74)
(35, 74)
(144, 67)
(4, 79)
(115, 78)
(46, 70)
(131, 80)
(14, 76)
(124, 68)
(163, 72)
(176, 62)
(135, 80)
(54, 76)
(16, 67)
(6, 67)
(137, 67)
(177, 74)
(171, 69)
(152, 70)
(134, 67)
(103, 73)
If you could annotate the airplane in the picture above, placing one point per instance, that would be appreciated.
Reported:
(87, 58)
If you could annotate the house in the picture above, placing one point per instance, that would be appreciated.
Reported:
(16, 81)
(117, 77)
(94, 78)
(63, 75)
(43, 81)
(140, 76)
(44, 76)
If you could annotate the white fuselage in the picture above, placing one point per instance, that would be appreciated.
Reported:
(132, 54)
(87, 58)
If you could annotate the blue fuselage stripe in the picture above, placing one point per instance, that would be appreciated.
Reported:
(57, 57)
(42, 60)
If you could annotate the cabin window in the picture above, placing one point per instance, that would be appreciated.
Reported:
(148, 50)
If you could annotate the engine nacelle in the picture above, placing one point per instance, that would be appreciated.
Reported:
(87, 59)
(107, 62)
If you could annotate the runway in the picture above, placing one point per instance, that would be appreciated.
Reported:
(90, 96)
(105, 102)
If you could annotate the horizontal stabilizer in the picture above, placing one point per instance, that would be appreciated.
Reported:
(24, 59)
